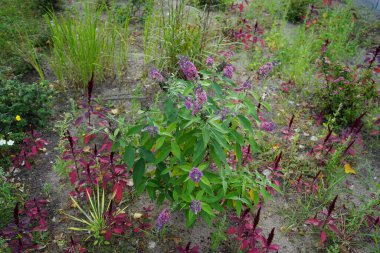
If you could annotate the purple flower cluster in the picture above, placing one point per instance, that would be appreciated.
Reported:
(163, 218)
(210, 61)
(188, 68)
(246, 85)
(267, 126)
(228, 71)
(196, 206)
(188, 103)
(265, 69)
(156, 75)
(223, 113)
(200, 100)
(152, 130)
(195, 175)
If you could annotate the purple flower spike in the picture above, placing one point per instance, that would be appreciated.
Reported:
(156, 75)
(210, 61)
(188, 68)
(228, 71)
(188, 103)
(195, 175)
(152, 130)
(196, 206)
(163, 218)
(201, 96)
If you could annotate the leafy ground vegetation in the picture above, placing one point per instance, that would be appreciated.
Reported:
(189, 126)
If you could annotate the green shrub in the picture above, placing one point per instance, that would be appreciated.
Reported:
(345, 93)
(297, 10)
(21, 107)
(8, 199)
(198, 147)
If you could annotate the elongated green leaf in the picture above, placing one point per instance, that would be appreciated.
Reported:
(245, 122)
(176, 150)
(190, 218)
(160, 141)
(199, 152)
(134, 130)
(205, 135)
(162, 154)
(138, 172)
(207, 209)
(129, 155)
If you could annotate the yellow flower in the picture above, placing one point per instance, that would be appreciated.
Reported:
(18, 117)
(348, 169)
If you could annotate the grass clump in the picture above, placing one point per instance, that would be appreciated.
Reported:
(91, 42)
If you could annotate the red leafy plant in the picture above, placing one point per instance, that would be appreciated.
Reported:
(30, 147)
(349, 137)
(324, 221)
(19, 234)
(250, 235)
(307, 185)
(187, 249)
(245, 31)
(74, 247)
(288, 131)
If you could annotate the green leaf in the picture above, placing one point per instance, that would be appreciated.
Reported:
(190, 218)
(245, 122)
(238, 153)
(238, 208)
(267, 106)
(199, 195)
(205, 181)
(199, 152)
(160, 141)
(134, 130)
(162, 154)
(138, 172)
(265, 194)
(220, 138)
(205, 135)
(129, 155)
(166, 171)
(176, 150)
(190, 186)
(207, 209)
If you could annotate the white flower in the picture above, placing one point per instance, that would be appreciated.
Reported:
(2, 142)
(10, 143)
(313, 138)
(301, 146)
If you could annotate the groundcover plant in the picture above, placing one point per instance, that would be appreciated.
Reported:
(189, 126)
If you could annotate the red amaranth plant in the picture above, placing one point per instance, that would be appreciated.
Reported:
(249, 234)
(325, 221)
(74, 247)
(187, 249)
(30, 147)
(307, 185)
(245, 31)
(18, 235)
(288, 132)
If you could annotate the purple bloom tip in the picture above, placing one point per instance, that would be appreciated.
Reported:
(195, 175)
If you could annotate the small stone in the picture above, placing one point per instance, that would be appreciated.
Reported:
(151, 245)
